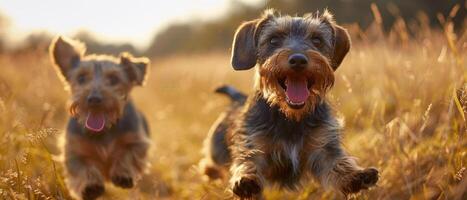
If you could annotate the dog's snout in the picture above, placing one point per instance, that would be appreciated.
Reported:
(298, 61)
(94, 99)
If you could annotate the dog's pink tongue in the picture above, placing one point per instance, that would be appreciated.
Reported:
(297, 90)
(95, 122)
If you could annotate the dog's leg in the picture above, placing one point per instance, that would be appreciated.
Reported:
(84, 179)
(128, 164)
(215, 150)
(246, 169)
(332, 166)
(247, 180)
(207, 165)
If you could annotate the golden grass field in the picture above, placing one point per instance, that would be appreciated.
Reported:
(403, 102)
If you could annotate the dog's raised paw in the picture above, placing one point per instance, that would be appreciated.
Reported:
(93, 191)
(247, 187)
(362, 180)
(123, 181)
(369, 177)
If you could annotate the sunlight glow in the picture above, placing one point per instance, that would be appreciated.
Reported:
(134, 21)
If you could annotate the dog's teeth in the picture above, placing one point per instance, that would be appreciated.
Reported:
(293, 103)
(296, 103)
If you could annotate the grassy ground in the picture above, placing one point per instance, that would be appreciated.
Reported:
(401, 102)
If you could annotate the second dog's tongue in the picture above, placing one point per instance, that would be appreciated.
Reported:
(95, 122)
(297, 90)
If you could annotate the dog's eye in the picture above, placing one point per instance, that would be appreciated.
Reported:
(275, 41)
(81, 79)
(317, 41)
(113, 80)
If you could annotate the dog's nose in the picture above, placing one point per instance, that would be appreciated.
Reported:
(94, 100)
(298, 61)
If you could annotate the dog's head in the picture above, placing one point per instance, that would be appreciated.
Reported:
(296, 58)
(99, 84)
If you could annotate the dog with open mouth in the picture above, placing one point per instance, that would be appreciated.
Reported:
(285, 132)
(106, 138)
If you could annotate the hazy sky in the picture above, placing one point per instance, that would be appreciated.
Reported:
(134, 21)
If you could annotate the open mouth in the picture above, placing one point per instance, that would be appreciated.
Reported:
(297, 90)
(95, 122)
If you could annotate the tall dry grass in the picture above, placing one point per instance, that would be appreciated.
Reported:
(403, 101)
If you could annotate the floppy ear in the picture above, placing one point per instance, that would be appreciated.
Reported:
(341, 39)
(66, 54)
(341, 45)
(244, 47)
(136, 68)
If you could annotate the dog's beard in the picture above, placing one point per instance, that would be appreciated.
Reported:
(275, 81)
(99, 118)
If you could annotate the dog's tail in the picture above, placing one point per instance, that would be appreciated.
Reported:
(232, 93)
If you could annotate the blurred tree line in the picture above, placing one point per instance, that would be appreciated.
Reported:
(217, 35)
(201, 36)
(40, 41)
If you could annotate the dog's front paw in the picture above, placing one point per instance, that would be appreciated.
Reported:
(92, 191)
(247, 187)
(362, 180)
(122, 181)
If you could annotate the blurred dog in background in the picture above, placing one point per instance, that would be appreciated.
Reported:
(106, 137)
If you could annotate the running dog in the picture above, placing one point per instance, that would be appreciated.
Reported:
(285, 132)
(107, 138)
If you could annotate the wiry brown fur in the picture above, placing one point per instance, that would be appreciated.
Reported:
(275, 68)
(117, 153)
(116, 96)
(265, 140)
